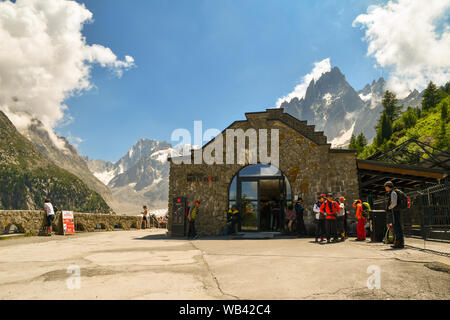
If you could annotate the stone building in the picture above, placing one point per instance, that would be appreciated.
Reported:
(307, 166)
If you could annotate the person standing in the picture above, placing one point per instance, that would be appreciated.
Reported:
(234, 218)
(50, 215)
(361, 226)
(319, 218)
(290, 217)
(276, 217)
(301, 230)
(330, 208)
(341, 219)
(392, 206)
(193, 212)
(144, 217)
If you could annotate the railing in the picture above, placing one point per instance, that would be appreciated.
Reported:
(429, 215)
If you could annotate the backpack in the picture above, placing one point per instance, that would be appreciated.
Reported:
(366, 210)
(403, 201)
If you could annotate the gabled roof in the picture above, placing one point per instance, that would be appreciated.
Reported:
(278, 114)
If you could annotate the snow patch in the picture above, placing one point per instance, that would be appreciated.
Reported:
(344, 138)
(161, 155)
(105, 176)
(365, 97)
(328, 99)
(350, 115)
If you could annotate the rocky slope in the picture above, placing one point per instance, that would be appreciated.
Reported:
(27, 176)
(66, 157)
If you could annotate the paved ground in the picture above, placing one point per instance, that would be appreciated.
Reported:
(144, 264)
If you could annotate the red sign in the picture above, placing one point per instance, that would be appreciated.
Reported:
(68, 224)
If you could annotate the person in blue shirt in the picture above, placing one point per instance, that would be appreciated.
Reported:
(299, 210)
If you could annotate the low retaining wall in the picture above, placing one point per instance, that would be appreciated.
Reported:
(33, 222)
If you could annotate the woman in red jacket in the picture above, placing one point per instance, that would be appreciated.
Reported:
(330, 208)
(361, 226)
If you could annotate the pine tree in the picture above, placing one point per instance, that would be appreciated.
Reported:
(390, 106)
(352, 145)
(431, 97)
(386, 127)
(409, 118)
(446, 88)
(361, 142)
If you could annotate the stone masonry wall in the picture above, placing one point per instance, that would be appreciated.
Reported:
(33, 222)
(310, 166)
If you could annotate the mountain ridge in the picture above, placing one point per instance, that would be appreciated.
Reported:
(27, 176)
(335, 107)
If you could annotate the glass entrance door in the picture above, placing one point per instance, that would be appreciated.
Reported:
(249, 205)
(259, 192)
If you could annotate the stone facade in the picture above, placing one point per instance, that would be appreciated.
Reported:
(33, 222)
(306, 159)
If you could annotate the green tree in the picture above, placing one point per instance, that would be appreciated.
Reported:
(431, 97)
(442, 137)
(446, 88)
(390, 106)
(384, 130)
(444, 112)
(353, 145)
(361, 142)
(409, 118)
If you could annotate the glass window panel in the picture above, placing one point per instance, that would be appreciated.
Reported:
(288, 189)
(232, 194)
(250, 215)
(258, 170)
(249, 190)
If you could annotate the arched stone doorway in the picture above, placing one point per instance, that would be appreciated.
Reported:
(261, 192)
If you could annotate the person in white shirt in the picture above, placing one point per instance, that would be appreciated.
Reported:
(341, 219)
(50, 215)
(320, 219)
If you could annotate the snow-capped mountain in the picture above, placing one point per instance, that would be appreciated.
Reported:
(333, 106)
(140, 177)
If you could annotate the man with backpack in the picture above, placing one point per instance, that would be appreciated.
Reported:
(396, 200)
(330, 208)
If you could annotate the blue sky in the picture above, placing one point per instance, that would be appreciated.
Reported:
(207, 60)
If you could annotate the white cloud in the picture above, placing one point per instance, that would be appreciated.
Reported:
(411, 38)
(299, 92)
(44, 59)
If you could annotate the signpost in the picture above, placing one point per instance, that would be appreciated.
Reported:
(68, 224)
(179, 217)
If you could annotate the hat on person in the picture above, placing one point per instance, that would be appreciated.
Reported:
(329, 194)
(323, 195)
(389, 184)
(342, 199)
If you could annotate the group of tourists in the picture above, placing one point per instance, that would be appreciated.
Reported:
(330, 218)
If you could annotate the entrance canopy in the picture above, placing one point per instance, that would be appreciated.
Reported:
(373, 175)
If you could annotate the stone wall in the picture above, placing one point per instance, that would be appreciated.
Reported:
(308, 162)
(33, 222)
